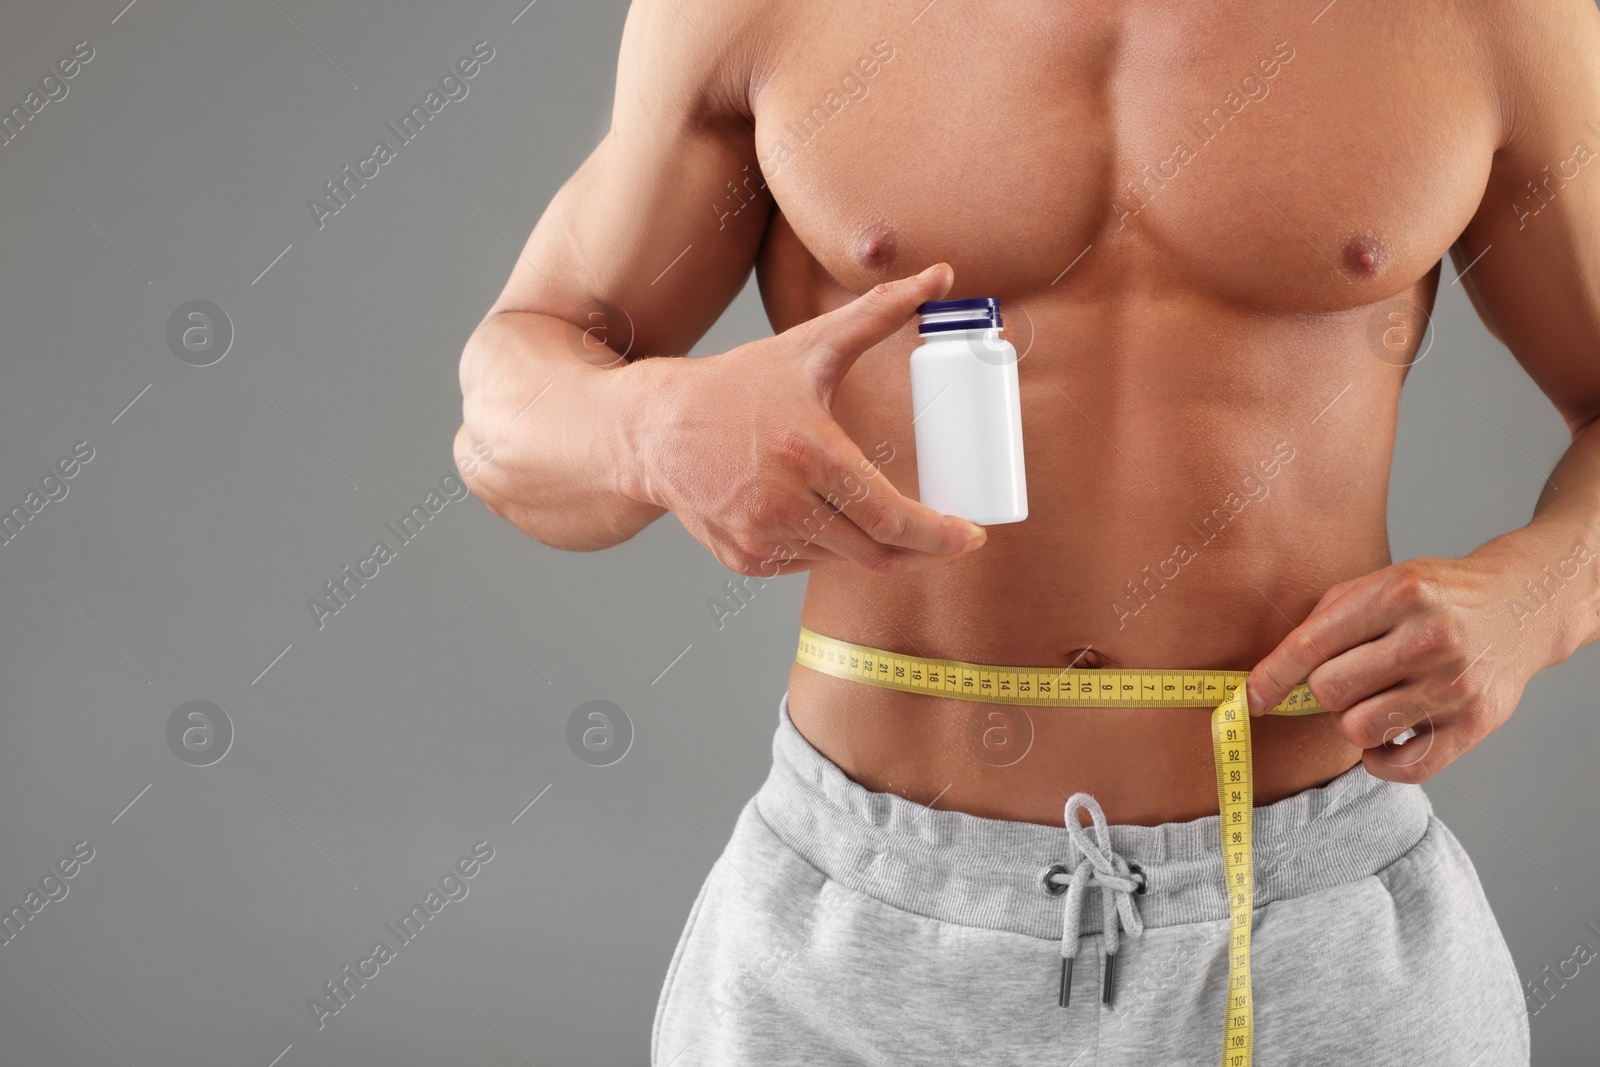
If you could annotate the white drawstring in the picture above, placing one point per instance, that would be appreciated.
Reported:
(1099, 867)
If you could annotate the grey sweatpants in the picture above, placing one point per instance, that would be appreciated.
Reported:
(842, 926)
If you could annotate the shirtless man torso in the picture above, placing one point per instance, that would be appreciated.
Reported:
(1216, 234)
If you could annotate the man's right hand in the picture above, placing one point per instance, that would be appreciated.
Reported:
(744, 449)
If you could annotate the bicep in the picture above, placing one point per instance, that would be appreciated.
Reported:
(656, 232)
(1531, 255)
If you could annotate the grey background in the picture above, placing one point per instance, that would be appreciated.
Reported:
(428, 714)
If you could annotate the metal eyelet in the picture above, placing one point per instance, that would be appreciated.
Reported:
(1134, 868)
(1050, 872)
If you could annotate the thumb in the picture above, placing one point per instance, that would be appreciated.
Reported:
(840, 336)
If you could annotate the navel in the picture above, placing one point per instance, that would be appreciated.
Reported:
(1365, 255)
(1085, 658)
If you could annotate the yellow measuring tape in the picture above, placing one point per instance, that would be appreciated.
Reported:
(1051, 687)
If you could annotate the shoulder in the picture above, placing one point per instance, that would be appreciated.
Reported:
(1544, 59)
(697, 60)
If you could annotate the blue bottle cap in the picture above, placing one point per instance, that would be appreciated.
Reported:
(975, 313)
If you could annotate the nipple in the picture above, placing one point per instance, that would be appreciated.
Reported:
(874, 247)
(1366, 255)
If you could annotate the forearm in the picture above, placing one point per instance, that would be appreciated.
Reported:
(1557, 555)
(559, 431)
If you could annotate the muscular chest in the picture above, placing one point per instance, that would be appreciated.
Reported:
(1239, 149)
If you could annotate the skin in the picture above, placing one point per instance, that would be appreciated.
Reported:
(1214, 349)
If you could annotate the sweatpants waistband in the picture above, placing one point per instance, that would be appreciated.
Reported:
(988, 873)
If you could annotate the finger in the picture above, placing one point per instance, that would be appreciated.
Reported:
(843, 334)
(887, 516)
(789, 556)
(845, 539)
(800, 562)
(1334, 592)
(1351, 619)
(1367, 669)
(1382, 719)
(811, 550)
(1423, 756)
(815, 531)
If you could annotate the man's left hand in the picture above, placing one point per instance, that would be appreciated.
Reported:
(1436, 646)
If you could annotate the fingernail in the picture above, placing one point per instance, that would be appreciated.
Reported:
(976, 536)
(928, 273)
(1252, 699)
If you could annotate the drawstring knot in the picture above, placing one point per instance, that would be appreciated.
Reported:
(1099, 867)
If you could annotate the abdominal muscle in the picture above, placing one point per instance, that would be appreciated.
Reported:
(1196, 482)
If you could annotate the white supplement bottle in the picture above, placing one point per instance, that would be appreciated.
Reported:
(967, 413)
